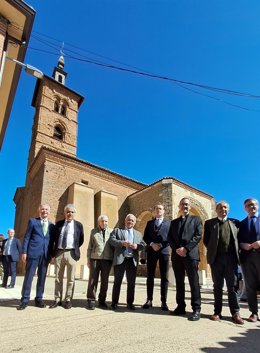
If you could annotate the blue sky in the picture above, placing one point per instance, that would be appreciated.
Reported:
(148, 128)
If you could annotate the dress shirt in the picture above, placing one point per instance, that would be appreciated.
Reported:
(70, 236)
(130, 237)
(8, 244)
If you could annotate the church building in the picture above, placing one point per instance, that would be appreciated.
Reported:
(56, 176)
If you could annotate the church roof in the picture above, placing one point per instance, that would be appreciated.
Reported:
(38, 83)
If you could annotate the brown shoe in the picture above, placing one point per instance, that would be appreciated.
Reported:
(253, 318)
(236, 318)
(215, 317)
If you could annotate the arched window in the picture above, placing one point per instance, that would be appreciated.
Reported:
(58, 132)
(63, 109)
(56, 106)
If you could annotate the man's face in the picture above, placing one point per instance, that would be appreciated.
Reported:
(69, 214)
(222, 210)
(159, 211)
(103, 223)
(11, 233)
(44, 211)
(184, 207)
(251, 207)
(130, 222)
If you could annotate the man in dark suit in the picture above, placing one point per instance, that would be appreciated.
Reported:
(68, 238)
(36, 253)
(184, 236)
(158, 249)
(220, 239)
(12, 250)
(127, 242)
(249, 241)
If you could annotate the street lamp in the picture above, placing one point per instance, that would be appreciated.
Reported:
(31, 70)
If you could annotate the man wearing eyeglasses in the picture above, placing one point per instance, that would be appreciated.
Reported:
(68, 238)
(249, 241)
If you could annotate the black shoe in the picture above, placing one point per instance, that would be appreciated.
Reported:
(195, 316)
(22, 306)
(39, 304)
(10, 286)
(114, 306)
(102, 305)
(148, 304)
(68, 305)
(164, 307)
(55, 304)
(130, 306)
(178, 312)
(90, 305)
(3, 285)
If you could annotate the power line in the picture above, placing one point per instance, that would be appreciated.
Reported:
(138, 71)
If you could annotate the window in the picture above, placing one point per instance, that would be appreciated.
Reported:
(56, 106)
(58, 132)
(63, 110)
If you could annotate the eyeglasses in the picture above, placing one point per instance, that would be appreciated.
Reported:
(70, 211)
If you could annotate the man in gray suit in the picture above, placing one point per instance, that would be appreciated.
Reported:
(220, 239)
(127, 242)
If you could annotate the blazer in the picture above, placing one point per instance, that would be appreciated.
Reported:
(35, 244)
(78, 238)
(159, 236)
(244, 236)
(211, 237)
(15, 250)
(98, 247)
(190, 238)
(116, 239)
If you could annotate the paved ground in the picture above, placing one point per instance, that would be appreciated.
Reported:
(80, 330)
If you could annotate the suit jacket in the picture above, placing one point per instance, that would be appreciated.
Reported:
(190, 238)
(244, 236)
(15, 250)
(35, 244)
(116, 239)
(78, 238)
(159, 236)
(211, 237)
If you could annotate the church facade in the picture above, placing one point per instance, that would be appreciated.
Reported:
(56, 176)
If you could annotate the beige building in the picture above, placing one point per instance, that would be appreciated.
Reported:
(57, 177)
(16, 20)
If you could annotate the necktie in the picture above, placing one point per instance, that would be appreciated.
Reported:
(65, 236)
(129, 251)
(44, 226)
(252, 227)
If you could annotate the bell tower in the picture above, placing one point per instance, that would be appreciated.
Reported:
(56, 115)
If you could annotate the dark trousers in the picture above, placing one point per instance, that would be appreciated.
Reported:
(180, 265)
(9, 267)
(251, 271)
(224, 267)
(41, 264)
(102, 268)
(130, 269)
(152, 258)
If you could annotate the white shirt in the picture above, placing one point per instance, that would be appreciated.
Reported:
(70, 236)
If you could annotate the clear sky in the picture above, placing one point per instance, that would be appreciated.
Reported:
(143, 127)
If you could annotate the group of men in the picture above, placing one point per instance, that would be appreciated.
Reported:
(228, 243)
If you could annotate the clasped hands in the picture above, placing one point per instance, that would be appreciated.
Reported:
(247, 246)
(181, 252)
(128, 244)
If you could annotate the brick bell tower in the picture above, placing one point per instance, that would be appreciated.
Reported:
(56, 115)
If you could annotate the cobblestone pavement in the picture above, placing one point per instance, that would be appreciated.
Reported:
(79, 330)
